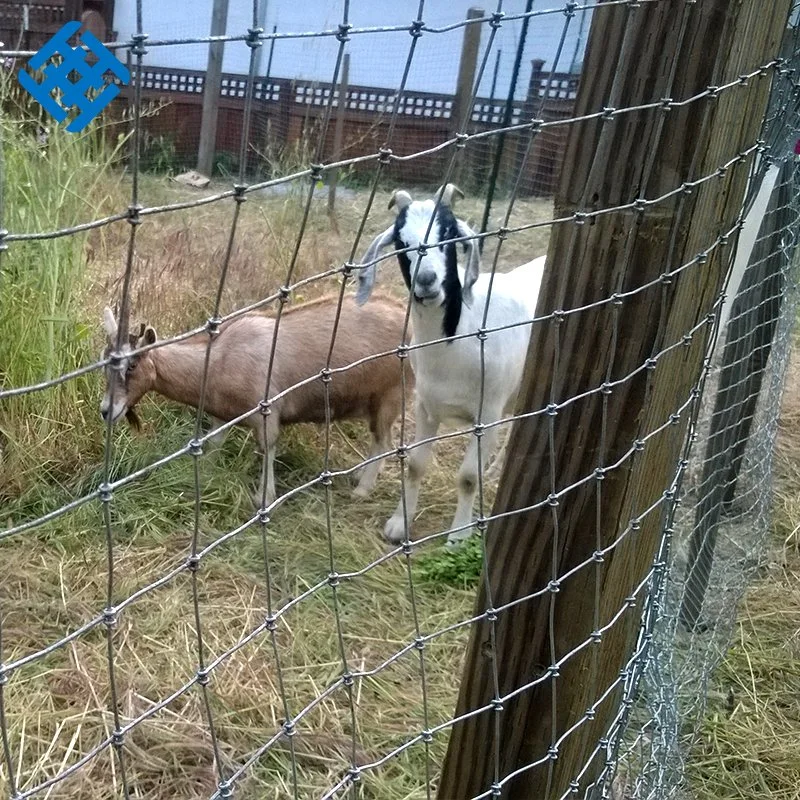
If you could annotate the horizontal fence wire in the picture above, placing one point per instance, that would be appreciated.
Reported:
(198, 644)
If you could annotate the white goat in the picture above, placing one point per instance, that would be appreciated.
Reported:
(449, 301)
(237, 373)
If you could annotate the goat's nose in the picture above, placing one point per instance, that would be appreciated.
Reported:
(104, 412)
(426, 277)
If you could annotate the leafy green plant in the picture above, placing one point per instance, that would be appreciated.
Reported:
(158, 154)
(460, 566)
(226, 164)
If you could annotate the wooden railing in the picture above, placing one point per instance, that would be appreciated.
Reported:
(365, 99)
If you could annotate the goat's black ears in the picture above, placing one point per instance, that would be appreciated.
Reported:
(399, 198)
(148, 335)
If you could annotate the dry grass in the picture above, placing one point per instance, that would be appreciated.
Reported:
(750, 737)
(55, 578)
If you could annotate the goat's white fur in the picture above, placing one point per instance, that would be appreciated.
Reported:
(448, 374)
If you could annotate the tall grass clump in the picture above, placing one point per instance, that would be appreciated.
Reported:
(69, 179)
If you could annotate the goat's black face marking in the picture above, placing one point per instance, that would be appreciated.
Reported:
(446, 228)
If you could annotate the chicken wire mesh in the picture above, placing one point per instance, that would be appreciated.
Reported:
(356, 714)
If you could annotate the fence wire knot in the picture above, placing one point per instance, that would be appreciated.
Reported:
(253, 39)
(343, 33)
(133, 215)
(137, 44)
(224, 790)
(496, 19)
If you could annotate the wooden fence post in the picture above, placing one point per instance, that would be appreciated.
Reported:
(461, 110)
(560, 656)
(338, 133)
(529, 107)
(211, 90)
(508, 113)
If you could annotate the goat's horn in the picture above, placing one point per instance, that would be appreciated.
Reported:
(124, 321)
(400, 198)
(447, 193)
(109, 323)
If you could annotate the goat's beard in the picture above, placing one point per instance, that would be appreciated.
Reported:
(133, 419)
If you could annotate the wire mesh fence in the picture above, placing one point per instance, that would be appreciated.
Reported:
(159, 636)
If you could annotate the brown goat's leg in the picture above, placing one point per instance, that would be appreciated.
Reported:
(267, 444)
(214, 442)
(380, 425)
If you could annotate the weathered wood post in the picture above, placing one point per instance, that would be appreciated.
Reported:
(338, 131)
(461, 110)
(211, 90)
(593, 475)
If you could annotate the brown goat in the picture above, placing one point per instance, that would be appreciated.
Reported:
(237, 373)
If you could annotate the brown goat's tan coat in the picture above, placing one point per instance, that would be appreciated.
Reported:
(238, 364)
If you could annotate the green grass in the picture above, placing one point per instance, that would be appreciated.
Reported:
(42, 332)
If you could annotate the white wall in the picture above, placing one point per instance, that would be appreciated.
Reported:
(377, 59)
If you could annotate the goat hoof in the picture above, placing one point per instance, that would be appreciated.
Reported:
(395, 530)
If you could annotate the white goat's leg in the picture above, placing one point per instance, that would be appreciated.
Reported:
(381, 428)
(418, 458)
(468, 484)
(498, 462)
